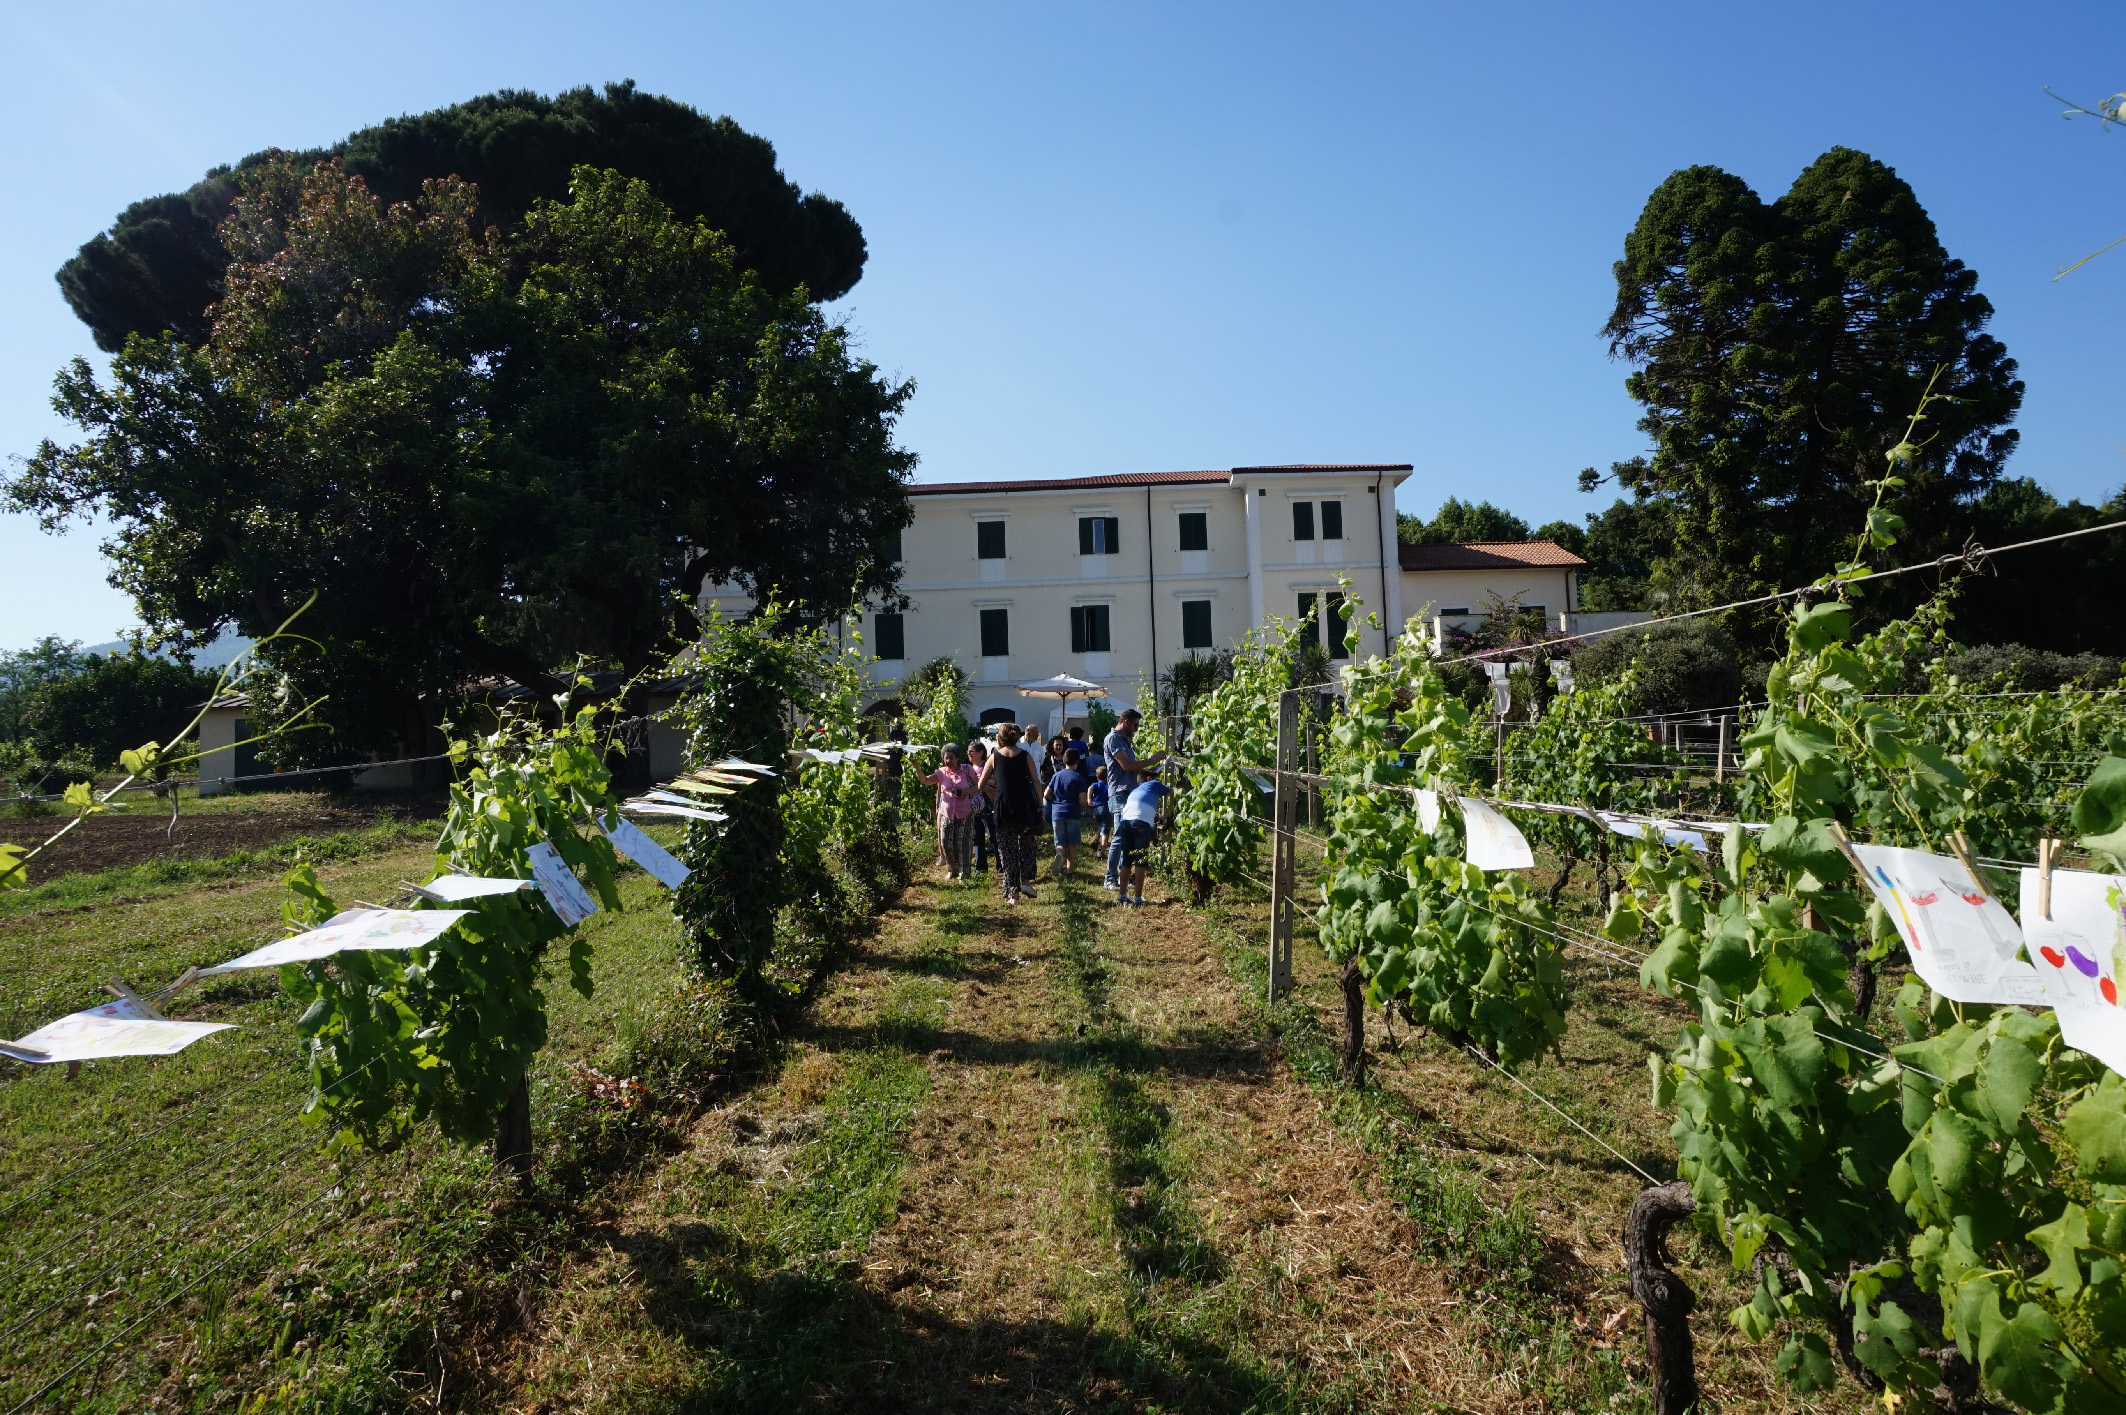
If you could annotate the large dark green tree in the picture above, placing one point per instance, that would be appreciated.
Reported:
(487, 454)
(161, 264)
(1780, 351)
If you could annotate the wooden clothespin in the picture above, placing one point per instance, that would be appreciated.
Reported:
(117, 988)
(1962, 850)
(2044, 875)
(1852, 856)
(184, 980)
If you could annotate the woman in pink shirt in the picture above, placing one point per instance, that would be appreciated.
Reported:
(957, 800)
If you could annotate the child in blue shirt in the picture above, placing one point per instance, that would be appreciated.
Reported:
(1103, 818)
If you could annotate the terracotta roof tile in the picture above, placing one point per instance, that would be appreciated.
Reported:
(1491, 555)
(1204, 478)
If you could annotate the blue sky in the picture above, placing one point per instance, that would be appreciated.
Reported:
(1115, 238)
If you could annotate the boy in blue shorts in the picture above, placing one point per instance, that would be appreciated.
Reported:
(1066, 810)
(1096, 805)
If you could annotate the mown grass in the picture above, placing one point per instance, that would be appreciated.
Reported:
(175, 1232)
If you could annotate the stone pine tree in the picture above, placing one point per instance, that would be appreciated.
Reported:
(1779, 350)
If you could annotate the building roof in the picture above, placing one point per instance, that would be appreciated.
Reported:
(1202, 478)
(1491, 555)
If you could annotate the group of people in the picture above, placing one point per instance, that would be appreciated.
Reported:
(995, 799)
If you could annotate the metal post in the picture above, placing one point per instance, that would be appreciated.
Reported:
(1720, 761)
(1313, 769)
(1283, 845)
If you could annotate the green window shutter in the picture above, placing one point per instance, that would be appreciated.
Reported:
(1332, 520)
(1195, 531)
(1302, 520)
(1196, 624)
(889, 637)
(996, 633)
(1309, 619)
(1077, 624)
(1336, 618)
(989, 540)
(1095, 629)
(1112, 528)
(1085, 535)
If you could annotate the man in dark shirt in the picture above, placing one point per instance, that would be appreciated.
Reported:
(1123, 769)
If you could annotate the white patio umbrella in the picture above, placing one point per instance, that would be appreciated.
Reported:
(1063, 687)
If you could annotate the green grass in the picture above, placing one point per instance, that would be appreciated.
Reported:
(226, 1255)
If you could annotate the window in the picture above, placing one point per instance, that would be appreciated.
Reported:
(1302, 520)
(996, 629)
(889, 637)
(1335, 602)
(992, 716)
(996, 634)
(1099, 535)
(989, 540)
(1309, 618)
(889, 549)
(1458, 612)
(1332, 520)
(1088, 628)
(246, 751)
(1195, 530)
(1195, 623)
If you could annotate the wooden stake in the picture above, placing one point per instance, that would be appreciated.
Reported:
(1284, 845)
(1720, 759)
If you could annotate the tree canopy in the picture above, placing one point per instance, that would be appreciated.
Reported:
(1780, 351)
(488, 455)
(1459, 522)
(162, 263)
(111, 704)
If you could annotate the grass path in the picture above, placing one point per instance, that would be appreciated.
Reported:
(1043, 1158)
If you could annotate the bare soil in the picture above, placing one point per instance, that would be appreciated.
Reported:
(141, 833)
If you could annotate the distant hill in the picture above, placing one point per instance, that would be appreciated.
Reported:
(219, 651)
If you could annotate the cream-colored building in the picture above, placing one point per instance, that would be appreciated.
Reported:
(1114, 578)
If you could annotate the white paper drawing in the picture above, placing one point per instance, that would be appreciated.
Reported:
(1262, 783)
(349, 929)
(1427, 809)
(661, 864)
(449, 889)
(666, 808)
(110, 1029)
(2080, 952)
(570, 900)
(741, 764)
(1637, 827)
(1495, 843)
(1962, 941)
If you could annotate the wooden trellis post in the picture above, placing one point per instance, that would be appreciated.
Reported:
(1283, 845)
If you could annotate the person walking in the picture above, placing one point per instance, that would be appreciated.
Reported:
(1018, 803)
(957, 795)
(1096, 810)
(1053, 762)
(1124, 771)
(1066, 811)
(1133, 833)
(985, 808)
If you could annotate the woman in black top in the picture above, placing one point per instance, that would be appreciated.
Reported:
(1018, 796)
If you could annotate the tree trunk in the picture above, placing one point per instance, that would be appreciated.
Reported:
(1199, 885)
(1557, 886)
(1860, 977)
(513, 1137)
(1663, 1296)
(1354, 986)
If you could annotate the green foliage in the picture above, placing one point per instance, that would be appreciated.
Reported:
(446, 1031)
(161, 264)
(2016, 668)
(1458, 522)
(1471, 953)
(1682, 666)
(1579, 753)
(935, 700)
(23, 671)
(492, 457)
(1219, 822)
(114, 703)
(1775, 347)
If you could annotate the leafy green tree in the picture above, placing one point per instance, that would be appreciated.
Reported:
(1459, 522)
(114, 703)
(1780, 350)
(161, 266)
(490, 457)
(23, 671)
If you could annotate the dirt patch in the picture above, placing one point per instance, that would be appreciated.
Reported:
(141, 833)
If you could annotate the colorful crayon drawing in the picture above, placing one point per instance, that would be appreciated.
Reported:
(2081, 950)
(1963, 944)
